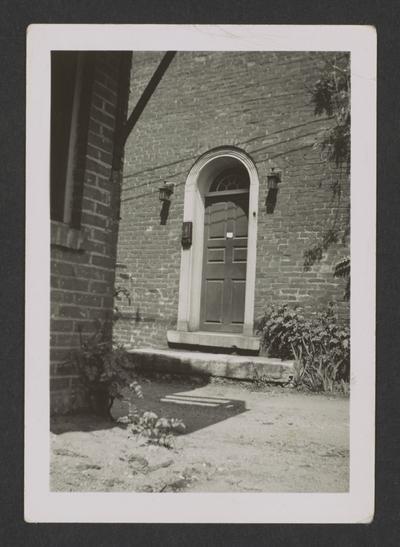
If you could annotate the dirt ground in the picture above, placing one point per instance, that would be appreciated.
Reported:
(238, 438)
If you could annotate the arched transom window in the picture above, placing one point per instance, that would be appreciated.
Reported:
(230, 180)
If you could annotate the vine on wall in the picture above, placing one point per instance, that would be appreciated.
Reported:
(330, 96)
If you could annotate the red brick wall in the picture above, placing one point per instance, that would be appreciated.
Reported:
(259, 103)
(83, 260)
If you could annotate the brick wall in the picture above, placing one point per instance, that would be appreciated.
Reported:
(259, 103)
(83, 259)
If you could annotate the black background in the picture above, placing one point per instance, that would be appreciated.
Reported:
(15, 16)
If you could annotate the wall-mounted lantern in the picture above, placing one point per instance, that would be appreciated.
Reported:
(165, 191)
(273, 179)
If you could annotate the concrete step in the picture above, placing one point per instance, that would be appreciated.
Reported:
(227, 340)
(241, 367)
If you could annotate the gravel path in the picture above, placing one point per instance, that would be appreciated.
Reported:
(275, 440)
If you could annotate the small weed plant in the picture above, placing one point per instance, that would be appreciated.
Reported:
(151, 428)
(105, 371)
(107, 374)
(319, 345)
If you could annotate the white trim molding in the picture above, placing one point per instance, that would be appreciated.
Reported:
(73, 138)
(197, 183)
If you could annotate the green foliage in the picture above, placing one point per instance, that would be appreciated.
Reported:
(106, 374)
(342, 269)
(315, 253)
(331, 96)
(319, 345)
(152, 428)
(120, 291)
(105, 371)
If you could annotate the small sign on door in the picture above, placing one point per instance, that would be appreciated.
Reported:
(229, 235)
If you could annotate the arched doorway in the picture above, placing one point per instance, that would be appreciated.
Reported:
(217, 276)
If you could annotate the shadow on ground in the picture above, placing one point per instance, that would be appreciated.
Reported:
(171, 399)
(184, 401)
(84, 423)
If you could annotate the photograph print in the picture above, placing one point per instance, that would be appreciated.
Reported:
(200, 261)
(199, 196)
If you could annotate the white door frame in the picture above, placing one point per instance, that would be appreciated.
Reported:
(197, 183)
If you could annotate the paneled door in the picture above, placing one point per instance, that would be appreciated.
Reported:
(224, 262)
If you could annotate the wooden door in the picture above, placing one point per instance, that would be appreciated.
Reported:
(224, 263)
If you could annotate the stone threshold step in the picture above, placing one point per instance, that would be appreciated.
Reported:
(240, 367)
(214, 339)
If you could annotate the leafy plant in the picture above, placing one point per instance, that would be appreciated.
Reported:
(342, 269)
(319, 345)
(315, 253)
(330, 96)
(105, 371)
(119, 292)
(152, 428)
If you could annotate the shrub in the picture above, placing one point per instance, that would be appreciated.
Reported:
(105, 371)
(319, 345)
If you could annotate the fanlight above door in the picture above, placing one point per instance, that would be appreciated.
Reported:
(230, 179)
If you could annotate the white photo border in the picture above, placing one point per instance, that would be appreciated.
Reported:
(356, 506)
